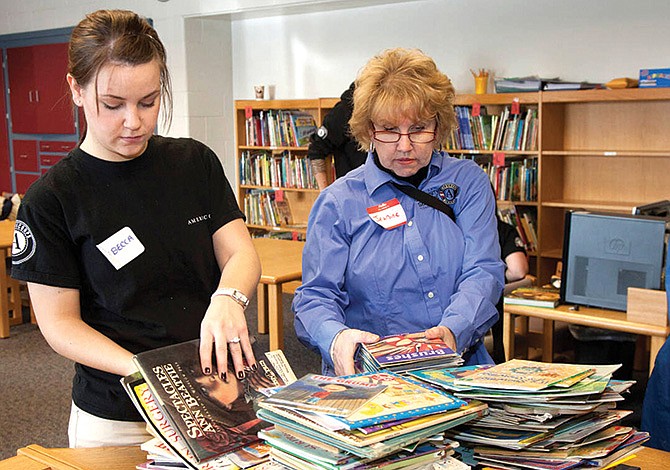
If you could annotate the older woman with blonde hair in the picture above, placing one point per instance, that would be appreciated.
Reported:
(378, 261)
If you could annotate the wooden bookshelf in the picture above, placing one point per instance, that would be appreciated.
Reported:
(600, 150)
(298, 199)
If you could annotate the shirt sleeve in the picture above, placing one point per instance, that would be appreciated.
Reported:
(320, 301)
(48, 254)
(336, 125)
(472, 309)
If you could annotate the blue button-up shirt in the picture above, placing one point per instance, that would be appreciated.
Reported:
(427, 272)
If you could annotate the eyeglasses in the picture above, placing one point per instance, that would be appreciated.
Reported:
(392, 137)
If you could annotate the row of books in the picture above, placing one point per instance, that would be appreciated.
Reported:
(279, 128)
(541, 415)
(504, 131)
(513, 180)
(525, 221)
(276, 169)
(266, 207)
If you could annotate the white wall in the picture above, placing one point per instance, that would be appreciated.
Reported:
(219, 49)
(318, 54)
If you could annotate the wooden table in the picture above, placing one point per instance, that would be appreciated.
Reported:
(6, 239)
(594, 317)
(36, 457)
(281, 262)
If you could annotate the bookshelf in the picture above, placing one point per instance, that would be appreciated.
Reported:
(601, 150)
(275, 184)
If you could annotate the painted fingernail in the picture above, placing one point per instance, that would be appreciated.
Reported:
(240, 375)
(224, 376)
(254, 366)
(208, 371)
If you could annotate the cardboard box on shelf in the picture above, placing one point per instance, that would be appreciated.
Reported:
(654, 78)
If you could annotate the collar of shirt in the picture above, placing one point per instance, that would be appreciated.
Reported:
(375, 177)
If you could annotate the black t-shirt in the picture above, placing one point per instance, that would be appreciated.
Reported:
(333, 137)
(154, 217)
(510, 242)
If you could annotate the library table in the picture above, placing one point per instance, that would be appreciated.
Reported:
(594, 317)
(281, 262)
(35, 457)
(6, 238)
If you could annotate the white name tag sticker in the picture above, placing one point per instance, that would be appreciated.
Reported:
(121, 248)
(389, 214)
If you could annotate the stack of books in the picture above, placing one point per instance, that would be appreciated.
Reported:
(548, 416)
(405, 352)
(534, 296)
(201, 421)
(367, 420)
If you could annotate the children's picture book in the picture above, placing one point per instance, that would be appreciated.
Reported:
(303, 125)
(408, 351)
(519, 374)
(533, 296)
(403, 398)
(212, 417)
(330, 395)
(444, 378)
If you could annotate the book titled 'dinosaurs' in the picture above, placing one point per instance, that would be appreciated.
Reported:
(212, 416)
(404, 352)
(533, 296)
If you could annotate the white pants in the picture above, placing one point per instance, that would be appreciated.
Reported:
(87, 430)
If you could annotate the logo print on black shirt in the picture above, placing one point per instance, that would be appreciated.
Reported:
(23, 245)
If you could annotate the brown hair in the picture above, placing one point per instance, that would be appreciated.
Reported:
(402, 82)
(117, 37)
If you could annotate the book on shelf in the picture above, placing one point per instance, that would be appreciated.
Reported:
(503, 131)
(553, 85)
(303, 126)
(518, 84)
(277, 169)
(330, 395)
(206, 415)
(404, 352)
(533, 296)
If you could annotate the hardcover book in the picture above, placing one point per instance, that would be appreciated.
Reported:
(211, 416)
(533, 296)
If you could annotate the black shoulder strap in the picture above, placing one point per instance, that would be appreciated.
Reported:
(427, 199)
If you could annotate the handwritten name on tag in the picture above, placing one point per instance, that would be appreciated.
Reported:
(389, 214)
(121, 248)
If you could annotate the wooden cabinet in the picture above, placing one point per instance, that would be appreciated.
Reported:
(39, 96)
(33, 158)
(276, 188)
(5, 173)
(602, 150)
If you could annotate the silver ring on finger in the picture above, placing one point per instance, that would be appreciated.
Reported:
(235, 340)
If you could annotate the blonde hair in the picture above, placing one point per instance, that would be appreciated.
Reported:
(402, 83)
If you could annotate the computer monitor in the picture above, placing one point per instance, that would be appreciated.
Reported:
(604, 254)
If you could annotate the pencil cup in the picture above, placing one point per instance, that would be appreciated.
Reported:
(481, 84)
